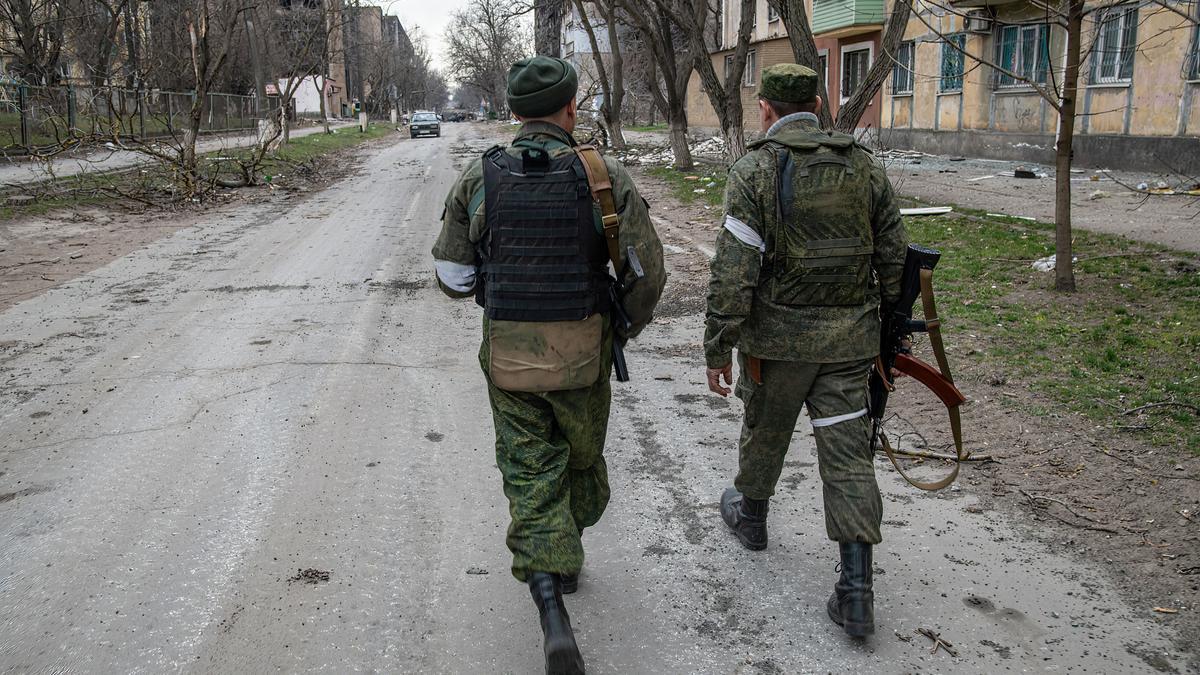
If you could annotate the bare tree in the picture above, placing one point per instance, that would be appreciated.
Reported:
(673, 58)
(482, 42)
(804, 49)
(32, 38)
(694, 17)
(1061, 94)
(611, 76)
(94, 36)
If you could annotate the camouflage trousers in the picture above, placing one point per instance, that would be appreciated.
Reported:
(853, 507)
(549, 448)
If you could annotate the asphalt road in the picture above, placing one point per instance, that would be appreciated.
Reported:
(284, 389)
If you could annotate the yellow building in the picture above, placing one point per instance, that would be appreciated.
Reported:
(847, 34)
(1138, 104)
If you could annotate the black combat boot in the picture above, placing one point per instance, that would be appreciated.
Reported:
(746, 517)
(852, 605)
(562, 654)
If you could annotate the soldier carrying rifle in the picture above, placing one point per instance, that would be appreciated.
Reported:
(811, 251)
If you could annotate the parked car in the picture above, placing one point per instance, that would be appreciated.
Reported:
(424, 124)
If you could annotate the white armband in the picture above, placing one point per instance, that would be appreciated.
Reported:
(745, 234)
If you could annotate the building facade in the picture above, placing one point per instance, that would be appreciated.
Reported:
(1138, 104)
(577, 49)
(847, 34)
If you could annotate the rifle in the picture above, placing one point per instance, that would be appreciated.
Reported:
(897, 326)
(621, 322)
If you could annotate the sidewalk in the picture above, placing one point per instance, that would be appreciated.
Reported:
(20, 169)
(1102, 205)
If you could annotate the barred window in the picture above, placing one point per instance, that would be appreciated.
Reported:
(855, 64)
(953, 62)
(1023, 51)
(902, 71)
(1116, 41)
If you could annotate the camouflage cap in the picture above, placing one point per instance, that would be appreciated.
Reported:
(789, 83)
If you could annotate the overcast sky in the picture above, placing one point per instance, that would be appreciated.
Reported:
(431, 16)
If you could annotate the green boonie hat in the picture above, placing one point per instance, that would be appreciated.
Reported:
(789, 83)
(541, 86)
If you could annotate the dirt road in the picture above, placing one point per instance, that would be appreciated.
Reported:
(262, 444)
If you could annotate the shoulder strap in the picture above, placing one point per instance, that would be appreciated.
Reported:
(601, 184)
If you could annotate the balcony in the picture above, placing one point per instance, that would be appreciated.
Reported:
(839, 18)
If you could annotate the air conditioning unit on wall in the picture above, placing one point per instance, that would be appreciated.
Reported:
(978, 21)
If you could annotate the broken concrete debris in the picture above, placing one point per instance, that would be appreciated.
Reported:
(1047, 264)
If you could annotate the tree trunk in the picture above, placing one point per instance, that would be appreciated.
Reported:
(547, 22)
(616, 133)
(804, 48)
(319, 83)
(1064, 268)
(610, 110)
(726, 96)
(852, 111)
(679, 143)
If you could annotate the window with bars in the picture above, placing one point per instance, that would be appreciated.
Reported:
(952, 62)
(902, 71)
(1023, 51)
(1116, 42)
(854, 69)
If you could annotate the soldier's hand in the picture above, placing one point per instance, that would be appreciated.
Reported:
(714, 379)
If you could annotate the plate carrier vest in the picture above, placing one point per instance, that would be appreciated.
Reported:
(542, 256)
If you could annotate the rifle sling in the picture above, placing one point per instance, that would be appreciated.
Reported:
(601, 184)
(942, 386)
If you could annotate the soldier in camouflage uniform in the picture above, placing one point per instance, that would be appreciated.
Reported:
(547, 373)
(812, 245)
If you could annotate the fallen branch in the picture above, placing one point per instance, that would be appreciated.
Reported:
(1162, 404)
(1034, 506)
(1060, 502)
(938, 642)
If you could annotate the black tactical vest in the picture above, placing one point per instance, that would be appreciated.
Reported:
(543, 259)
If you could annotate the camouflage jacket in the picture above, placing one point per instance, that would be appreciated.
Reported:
(463, 226)
(743, 312)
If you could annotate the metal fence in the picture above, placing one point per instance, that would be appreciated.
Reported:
(34, 117)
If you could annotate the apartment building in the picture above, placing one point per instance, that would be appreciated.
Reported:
(1139, 106)
(847, 34)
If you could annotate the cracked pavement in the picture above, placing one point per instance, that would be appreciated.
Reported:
(180, 434)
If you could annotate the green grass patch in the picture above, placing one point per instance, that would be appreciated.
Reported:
(1130, 335)
(90, 189)
(649, 127)
(315, 145)
(684, 184)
